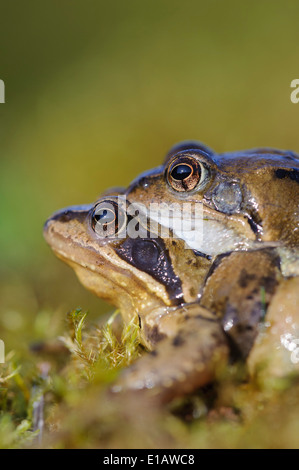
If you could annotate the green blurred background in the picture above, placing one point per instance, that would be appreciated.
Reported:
(97, 92)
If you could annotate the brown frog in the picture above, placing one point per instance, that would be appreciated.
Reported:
(249, 199)
(189, 322)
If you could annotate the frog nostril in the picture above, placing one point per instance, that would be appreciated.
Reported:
(65, 216)
(69, 214)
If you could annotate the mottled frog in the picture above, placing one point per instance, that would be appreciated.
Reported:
(191, 318)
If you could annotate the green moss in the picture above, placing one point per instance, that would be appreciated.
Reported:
(57, 397)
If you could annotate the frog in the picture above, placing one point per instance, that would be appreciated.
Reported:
(248, 198)
(137, 275)
(189, 324)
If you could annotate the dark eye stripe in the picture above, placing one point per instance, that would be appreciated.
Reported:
(158, 263)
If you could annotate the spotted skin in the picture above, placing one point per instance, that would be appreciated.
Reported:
(195, 308)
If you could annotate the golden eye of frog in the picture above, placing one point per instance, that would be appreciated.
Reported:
(246, 197)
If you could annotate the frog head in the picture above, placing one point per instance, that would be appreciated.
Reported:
(246, 197)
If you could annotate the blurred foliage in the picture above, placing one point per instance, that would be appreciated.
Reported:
(97, 92)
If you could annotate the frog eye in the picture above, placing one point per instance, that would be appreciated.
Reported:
(108, 218)
(186, 173)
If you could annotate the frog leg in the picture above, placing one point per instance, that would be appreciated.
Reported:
(238, 290)
(275, 353)
(188, 346)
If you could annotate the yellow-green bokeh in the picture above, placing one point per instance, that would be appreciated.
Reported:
(97, 91)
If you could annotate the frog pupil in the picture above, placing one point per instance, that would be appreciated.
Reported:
(100, 216)
(181, 172)
(104, 217)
